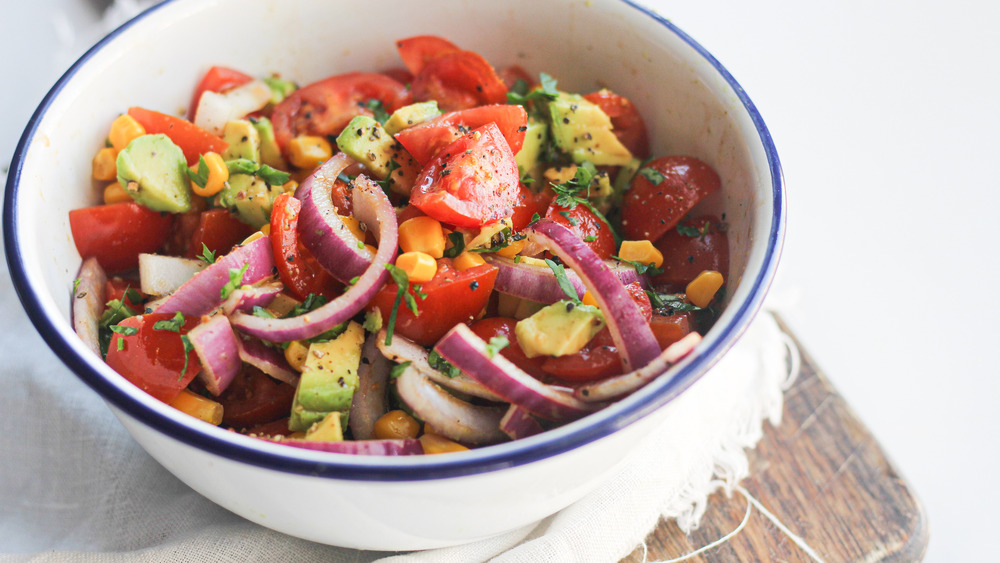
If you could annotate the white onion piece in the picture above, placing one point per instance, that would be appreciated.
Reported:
(244, 300)
(518, 423)
(372, 206)
(358, 447)
(216, 109)
(321, 229)
(202, 293)
(163, 275)
(405, 350)
(635, 340)
(537, 283)
(267, 359)
(88, 302)
(369, 402)
(466, 351)
(626, 383)
(450, 416)
(218, 349)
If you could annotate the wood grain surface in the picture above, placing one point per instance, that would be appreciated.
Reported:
(823, 477)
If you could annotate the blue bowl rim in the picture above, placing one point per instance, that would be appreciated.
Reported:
(374, 468)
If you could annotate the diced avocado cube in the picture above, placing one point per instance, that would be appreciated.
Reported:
(250, 198)
(625, 174)
(153, 170)
(329, 379)
(584, 131)
(413, 114)
(559, 329)
(327, 430)
(243, 140)
(270, 153)
(535, 138)
(366, 141)
(280, 88)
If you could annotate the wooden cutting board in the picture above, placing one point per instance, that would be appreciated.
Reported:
(828, 487)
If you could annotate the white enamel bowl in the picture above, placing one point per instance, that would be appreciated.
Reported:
(691, 105)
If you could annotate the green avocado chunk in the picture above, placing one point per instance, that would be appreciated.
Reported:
(413, 114)
(270, 153)
(250, 198)
(366, 141)
(243, 140)
(561, 328)
(535, 138)
(153, 171)
(328, 380)
(584, 131)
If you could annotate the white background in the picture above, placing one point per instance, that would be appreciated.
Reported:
(885, 117)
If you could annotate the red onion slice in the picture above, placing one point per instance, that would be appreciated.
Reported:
(369, 402)
(88, 302)
(358, 447)
(218, 349)
(201, 294)
(467, 352)
(373, 208)
(518, 423)
(267, 359)
(404, 350)
(536, 283)
(321, 229)
(450, 416)
(635, 340)
(626, 383)
(244, 300)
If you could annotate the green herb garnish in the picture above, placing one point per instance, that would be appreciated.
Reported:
(563, 280)
(272, 176)
(442, 365)
(173, 325)
(207, 256)
(641, 268)
(378, 110)
(519, 94)
(496, 344)
(200, 174)
(402, 295)
(670, 301)
(187, 354)
(568, 193)
(457, 245)
(235, 280)
(652, 174)
(398, 369)
(124, 330)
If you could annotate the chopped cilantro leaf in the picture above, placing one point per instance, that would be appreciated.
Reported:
(398, 369)
(520, 93)
(173, 325)
(402, 293)
(207, 256)
(200, 174)
(641, 268)
(652, 174)
(378, 110)
(442, 365)
(496, 344)
(235, 280)
(457, 245)
(563, 280)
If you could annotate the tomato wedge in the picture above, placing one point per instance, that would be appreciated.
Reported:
(219, 230)
(417, 51)
(325, 107)
(526, 206)
(297, 268)
(423, 141)
(452, 297)
(193, 140)
(472, 182)
(254, 399)
(117, 233)
(651, 209)
(153, 359)
(217, 79)
(626, 122)
(459, 80)
(685, 256)
(588, 226)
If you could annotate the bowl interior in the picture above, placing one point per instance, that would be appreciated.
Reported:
(690, 104)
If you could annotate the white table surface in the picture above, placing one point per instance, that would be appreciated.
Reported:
(885, 117)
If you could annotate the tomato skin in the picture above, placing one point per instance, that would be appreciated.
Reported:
(400, 75)
(253, 399)
(417, 51)
(511, 74)
(638, 295)
(670, 328)
(117, 233)
(526, 206)
(115, 288)
(471, 182)
(459, 80)
(152, 359)
(191, 139)
(504, 326)
(217, 79)
(587, 224)
(450, 300)
(297, 268)
(219, 230)
(627, 124)
(685, 257)
(325, 107)
(650, 210)
(425, 140)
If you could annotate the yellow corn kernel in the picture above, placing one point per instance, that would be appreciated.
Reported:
(253, 237)
(419, 266)
(198, 407)
(115, 193)
(434, 444)
(396, 425)
(641, 251)
(512, 249)
(468, 260)
(296, 354)
(124, 129)
(422, 234)
(560, 174)
(703, 288)
(309, 151)
(218, 175)
(354, 226)
(588, 299)
(290, 186)
(104, 165)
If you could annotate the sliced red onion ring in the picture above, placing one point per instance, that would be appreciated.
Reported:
(626, 383)
(369, 402)
(244, 300)
(635, 340)
(405, 350)
(373, 208)
(358, 447)
(163, 275)
(322, 230)
(467, 352)
(518, 423)
(218, 349)
(534, 282)
(201, 294)
(450, 416)
(88, 302)
(267, 359)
